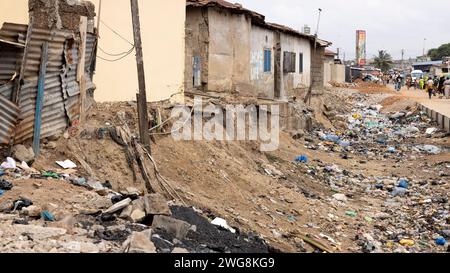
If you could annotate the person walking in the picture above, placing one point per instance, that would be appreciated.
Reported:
(430, 87)
(421, 83)
(447, 88)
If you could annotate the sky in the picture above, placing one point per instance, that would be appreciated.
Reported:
(391, 25)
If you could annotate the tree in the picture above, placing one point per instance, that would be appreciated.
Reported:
(437, 54)
(383, 61)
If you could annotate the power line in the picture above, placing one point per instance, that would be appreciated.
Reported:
(118, 59)
(117, 33)
(114, 54)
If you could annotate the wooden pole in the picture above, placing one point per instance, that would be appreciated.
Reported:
(142, 98)
(40, 100)
(99, 18)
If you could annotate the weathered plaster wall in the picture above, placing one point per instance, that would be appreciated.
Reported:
(264, 82)
(327, 69)
(229, 48)
(292, 81)
(197, 45)
(338, 73)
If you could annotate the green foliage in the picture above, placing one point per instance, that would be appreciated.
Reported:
(437, 54)
(383, 61)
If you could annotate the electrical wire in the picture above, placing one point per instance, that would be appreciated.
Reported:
(114, 54)
(117, 33)
(118, 59)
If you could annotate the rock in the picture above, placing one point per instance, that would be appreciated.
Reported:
(156, 204)
(80, 247)
(298, 134)
(51, 145)
(39, 233)
(177, 228)
(340, 197)
(139, 242)
(137, 216)
(118, 206)
(132, 191)
(33, 211)
(22, 153)
(179, 250)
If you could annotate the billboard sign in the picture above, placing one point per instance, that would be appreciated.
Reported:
(361, 47)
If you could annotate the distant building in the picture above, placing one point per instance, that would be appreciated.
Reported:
(426, 66)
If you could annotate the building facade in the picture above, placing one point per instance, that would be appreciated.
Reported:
(232, 49)
(163, 28)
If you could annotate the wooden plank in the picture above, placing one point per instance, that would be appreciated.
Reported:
(142, 98)
(40, 100)
(81, 66)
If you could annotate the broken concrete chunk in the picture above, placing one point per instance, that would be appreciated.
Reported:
(40, 233)
(139, 242)
(126, 213)
(155, 204)
(118, 206)
(177, 228)
(340, 197)
(32, 211)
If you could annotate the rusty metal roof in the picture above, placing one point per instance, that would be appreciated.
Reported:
(235, 8)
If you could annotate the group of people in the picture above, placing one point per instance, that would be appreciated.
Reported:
(433, 86)
(438, 86)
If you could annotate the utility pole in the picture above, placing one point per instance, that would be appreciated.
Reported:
(424, 41)
(142, 96)
(403, 55)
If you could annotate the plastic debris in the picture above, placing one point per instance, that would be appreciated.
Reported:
(431, 131)
(50, 175)
(407, 242)
(48, 216)
(223, 224)
(302, 158)
(351, 213)
(5, 185)
(67, 164)
(10, 163)
(22, 203)
(403, 183)
(2, 192)
(399, 192)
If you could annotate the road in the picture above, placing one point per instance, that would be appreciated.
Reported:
(439, 105)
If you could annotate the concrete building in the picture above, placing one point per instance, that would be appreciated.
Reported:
(163, 56)
(233, 49)
(334, 71)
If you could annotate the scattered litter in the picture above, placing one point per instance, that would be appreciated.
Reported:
(223, 224)
(22, 203)
(10, 163)
(431, 131)
(2, 192)
(68, 164)
(49, 174)
(403, 183)
(5, 185)
(407, 242)
(48, 216)
(351, 213)
(441, 241)
(302, 159)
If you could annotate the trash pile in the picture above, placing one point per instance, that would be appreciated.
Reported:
(376, 135)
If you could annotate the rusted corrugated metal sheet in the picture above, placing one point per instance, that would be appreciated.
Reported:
(54, 118)
(8, 117)
(62, 91)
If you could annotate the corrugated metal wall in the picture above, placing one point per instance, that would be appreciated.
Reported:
(62, 91)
